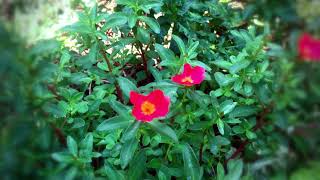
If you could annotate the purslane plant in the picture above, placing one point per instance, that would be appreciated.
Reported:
(162, 89)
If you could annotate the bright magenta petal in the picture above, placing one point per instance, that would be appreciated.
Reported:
(309, 47)
(190, 76)
(136, 97)
(177, 78)
(187, 69)
(147, 108)
(161, 101)
(198, 74)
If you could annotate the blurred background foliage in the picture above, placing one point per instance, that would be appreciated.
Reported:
(27, 53)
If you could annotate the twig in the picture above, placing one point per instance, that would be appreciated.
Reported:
(118, 90)
(200, 153)
(145, 63)
(59, 134)
(259, 125)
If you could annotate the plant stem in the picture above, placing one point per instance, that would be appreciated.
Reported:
(259, 125)
(59, 135)
(200, 153)
(145, 63)
(118, 90)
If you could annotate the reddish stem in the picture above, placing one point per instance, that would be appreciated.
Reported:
(259, 125)
(60, 136)
(118, 90)
(145, 63)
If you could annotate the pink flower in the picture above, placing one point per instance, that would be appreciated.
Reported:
(146, 108)
(190, 76)
(309, 47)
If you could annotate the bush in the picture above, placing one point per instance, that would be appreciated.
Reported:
(162, 89)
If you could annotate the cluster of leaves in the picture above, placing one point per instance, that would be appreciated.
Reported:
(233, 124)
(127, 50)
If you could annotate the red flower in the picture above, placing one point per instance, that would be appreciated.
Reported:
(147, 108)
(309, 47)
(190, 76)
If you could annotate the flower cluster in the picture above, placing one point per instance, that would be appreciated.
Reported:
(156, 104)
(309, 47)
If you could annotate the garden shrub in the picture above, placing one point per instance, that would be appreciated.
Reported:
(162, 89)
(125, 52)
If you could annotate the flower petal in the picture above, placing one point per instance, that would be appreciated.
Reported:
(136, 97)
(309, 47)
(198, 74)
(177, 78)
(161, 102)
(187, 69)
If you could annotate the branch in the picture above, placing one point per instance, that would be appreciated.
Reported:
(259, 125)
(59, 134)
(118, 90)
(145, 63)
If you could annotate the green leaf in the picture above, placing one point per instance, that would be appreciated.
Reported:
(163, 176)
(147, 5)
(164, 53)
(220, 141)
(71, 173)
(111, 173)
(72, 146)
(222, 79)
(126, 86)
(235, 168)
(137, 166)
(220, 172)
(127, 151)
(55, 110)
(86, 145)
(131, 131)
(250, 134)
(143, 35)
(243, 111)
(65, 58)
(151, 22)
(163, 129)
(82, 107)
(132, 19)
(201, 125)
(238, 66)
(193, 46)
(223, 64)
(115, 20)
(125, 2)
(62, 157)
(78, 123)
(192, 169)
(227, 106)
(220, 125)
(180, 44)
(117, 122)
(199, 63)
(121, 109)
(248, 89)
(78, 28)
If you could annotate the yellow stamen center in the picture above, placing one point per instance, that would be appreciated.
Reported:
(187, 79)
(148, 108)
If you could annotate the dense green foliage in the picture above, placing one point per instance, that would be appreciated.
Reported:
(66, 108)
